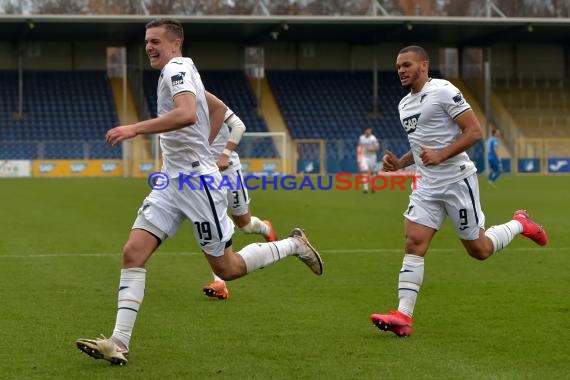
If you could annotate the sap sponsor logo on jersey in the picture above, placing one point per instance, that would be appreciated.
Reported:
(178, 78)
(109, 167)
(458, 99)
(47, 167)
(77, 167)
(410, 123)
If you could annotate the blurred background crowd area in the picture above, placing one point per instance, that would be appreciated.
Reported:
(474, 8)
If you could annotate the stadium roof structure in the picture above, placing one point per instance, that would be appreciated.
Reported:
(356, 30)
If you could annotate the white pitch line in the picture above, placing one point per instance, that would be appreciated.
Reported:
(348, 250)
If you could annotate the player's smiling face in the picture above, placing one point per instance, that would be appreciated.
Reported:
(410, 70)
(161, 46)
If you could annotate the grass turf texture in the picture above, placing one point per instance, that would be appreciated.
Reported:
(504, 318)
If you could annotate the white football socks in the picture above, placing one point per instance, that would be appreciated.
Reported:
(131, 294)
(217, 278)
(503, 234)
(260, 255)
(410, 281)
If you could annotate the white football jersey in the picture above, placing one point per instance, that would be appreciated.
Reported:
(369, 142)
(428, 119)
(187, 149)
(219, 144)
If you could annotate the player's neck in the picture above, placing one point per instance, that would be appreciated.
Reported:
(418, 86)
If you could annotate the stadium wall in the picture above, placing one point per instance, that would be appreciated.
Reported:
(525, 59)
(55, 56)
(8, 61)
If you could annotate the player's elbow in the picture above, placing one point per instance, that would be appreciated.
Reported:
(187, 118)
(477, 134)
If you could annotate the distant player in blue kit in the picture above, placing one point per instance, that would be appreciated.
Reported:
(495, 168)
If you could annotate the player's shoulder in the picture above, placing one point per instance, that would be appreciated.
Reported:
(442, 85)
(446, 92)
(178, 64)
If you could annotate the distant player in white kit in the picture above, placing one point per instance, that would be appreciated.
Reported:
(441, 126)
(369, 147)
(184, 111)
(224, 150)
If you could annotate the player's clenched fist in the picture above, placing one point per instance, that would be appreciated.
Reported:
(391, 162)
(118, 134)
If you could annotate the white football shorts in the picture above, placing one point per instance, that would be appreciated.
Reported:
(459, 200)
(202, 201)
(367, 163)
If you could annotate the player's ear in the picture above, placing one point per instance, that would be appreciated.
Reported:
(178, 44)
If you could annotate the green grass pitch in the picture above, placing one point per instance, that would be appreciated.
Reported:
(503, 318)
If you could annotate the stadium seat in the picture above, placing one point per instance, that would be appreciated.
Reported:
(63, 111)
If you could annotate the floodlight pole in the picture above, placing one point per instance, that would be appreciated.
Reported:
(262, 8)
(490, 7)
(375, 86)
(375, 6)
(21, 79)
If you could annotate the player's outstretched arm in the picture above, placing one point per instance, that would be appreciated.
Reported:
(183, 115)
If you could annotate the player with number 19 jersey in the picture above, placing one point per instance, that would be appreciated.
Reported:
(428, 119)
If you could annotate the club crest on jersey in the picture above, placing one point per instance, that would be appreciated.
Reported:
(178, 78)
(410, 123)
(458, 99)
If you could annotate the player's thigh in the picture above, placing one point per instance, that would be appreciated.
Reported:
(206, 208)
(238, 196)
(464, 208)
(494, 164)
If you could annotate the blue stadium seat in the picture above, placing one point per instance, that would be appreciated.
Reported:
(59, 106)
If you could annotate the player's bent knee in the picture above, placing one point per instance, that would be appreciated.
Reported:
(479, 254)
(139, 247)
(416, 245)
(130, 255)
(243, 222)
(479, 249)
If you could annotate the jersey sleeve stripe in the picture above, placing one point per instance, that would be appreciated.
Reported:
(183, 92)
(460, 113)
